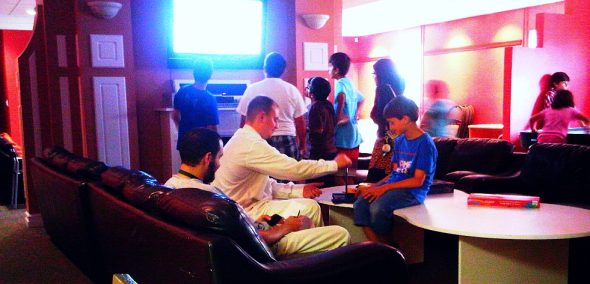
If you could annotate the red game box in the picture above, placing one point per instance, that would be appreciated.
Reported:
(503, 200)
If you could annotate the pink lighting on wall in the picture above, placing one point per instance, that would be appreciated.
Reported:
(458, 39)
(508, 33)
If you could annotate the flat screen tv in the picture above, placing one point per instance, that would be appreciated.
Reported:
(229, 32)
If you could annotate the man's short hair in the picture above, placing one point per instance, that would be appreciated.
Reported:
(274, 65)
(196, 143)
(559, 77)
(319, 88)
(257, 105)
(341, 61)
(400, 107)
(202, 70)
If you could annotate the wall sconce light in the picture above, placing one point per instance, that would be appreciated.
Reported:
(532, 40)
(105, 9)
(315, 21)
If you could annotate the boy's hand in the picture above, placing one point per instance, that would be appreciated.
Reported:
(362, 186)
(372, 193)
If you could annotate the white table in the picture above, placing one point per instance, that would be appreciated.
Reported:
(409, 238)
(504, 245)
(496, 245)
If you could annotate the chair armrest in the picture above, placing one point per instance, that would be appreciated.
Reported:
(483, 183)
(457, 175)
(369, 262)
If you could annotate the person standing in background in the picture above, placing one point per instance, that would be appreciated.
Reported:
(559, 81)
(389, 85)
(290, 135)
(557, 118)
(347, 101)
(436, 119)
(322, 122)
(194, 106)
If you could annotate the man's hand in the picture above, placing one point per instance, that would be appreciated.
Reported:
(342, 161)
(263, 218)
(297, 223)
(311, 190)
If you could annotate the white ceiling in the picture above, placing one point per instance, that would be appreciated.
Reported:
(14, 16)
(360, 17)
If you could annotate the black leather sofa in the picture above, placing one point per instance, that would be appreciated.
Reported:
(462, 157)
(558, 173)
(116, 220)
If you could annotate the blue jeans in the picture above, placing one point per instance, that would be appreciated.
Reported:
(379, 214)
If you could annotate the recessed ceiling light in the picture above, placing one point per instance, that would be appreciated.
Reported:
(31, 12)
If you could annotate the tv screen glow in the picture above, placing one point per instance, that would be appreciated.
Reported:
(226, 31)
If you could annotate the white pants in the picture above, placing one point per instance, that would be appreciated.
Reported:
(312, 240)
(288, 207)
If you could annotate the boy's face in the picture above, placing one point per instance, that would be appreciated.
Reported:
(332, 72)
(561, 85)
(399, 126)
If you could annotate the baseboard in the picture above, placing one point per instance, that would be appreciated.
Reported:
(33, 220)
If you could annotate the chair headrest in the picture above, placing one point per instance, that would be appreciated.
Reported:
(116, 178)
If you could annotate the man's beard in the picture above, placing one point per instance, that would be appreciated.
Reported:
(210, 174)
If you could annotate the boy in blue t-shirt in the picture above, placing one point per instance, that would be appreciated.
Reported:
(414, 164)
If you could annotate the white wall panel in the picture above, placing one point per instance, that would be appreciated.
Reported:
(112, 132)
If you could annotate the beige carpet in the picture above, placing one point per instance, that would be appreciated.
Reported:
(28, 256)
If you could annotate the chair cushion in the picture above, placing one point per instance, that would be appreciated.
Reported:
(211, 212)
(444, 147)
(558, 173)
(481, 155)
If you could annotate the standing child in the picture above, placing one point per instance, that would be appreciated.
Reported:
(347, 101)
(557, 118)
(414, 163)
(322, 122)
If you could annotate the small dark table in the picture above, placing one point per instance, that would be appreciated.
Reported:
(576, 135)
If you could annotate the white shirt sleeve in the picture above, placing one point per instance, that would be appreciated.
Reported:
(267, 160)
(285, 190)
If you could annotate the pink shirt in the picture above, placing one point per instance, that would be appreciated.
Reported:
(557, 120)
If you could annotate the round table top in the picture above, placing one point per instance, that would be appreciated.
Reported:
(449, 213)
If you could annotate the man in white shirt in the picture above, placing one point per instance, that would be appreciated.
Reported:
(249, 161)
(200, 151)
(290, 135)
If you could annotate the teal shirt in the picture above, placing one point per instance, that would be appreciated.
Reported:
(347, 135)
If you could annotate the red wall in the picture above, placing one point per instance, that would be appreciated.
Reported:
(14, 42)
(330, 34)
(565, 48)
(468, 54)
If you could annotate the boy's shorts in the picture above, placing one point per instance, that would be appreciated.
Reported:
(353, 154)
